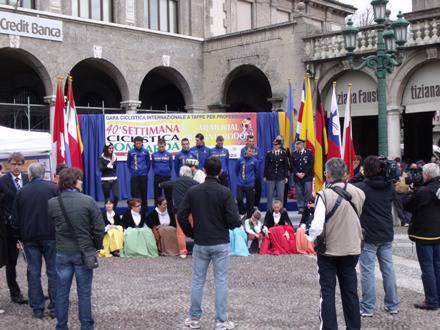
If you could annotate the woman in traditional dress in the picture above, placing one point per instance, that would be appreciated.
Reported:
(279, 234)
(163, 224)
(139, 240)
(114, 233)
(253, 227)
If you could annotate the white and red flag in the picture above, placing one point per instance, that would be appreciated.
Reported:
(348, 152)
(60, 140)
(75, 141)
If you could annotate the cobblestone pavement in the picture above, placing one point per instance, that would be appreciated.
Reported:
(266, 292)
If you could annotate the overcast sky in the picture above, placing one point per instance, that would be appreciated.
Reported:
(394, 5)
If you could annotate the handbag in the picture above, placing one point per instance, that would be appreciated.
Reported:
(89, 259)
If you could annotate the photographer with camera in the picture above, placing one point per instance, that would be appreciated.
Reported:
(377, 223)
(424, 230)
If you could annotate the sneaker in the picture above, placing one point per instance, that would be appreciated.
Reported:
(227, 325)
(183, 256)
(2, 311)
(192, 324)
(38, 314)
(391, 311)
(425, 306)
(364, 314)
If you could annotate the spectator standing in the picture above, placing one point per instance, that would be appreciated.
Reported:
(79, 230)
(184, 154)
(138, 162)
(302, 170)
(214, 214)
(109, 179)
(10, 184)
(162, 164)
(33, 228)
(250, 142)
(246, 170)
(377, 223)
(200, 150)
(338, 221)
(424, 230)
(276, 166)
(223, 154)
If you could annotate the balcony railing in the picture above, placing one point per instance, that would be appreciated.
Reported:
(331, 45)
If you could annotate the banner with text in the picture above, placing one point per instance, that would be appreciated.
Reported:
(121, 129)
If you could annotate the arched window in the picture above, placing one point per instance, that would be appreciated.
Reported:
(22, 3)
(161, 15)
(101, 10)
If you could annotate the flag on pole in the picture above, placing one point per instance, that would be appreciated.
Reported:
(290, 135)
(300, 111)
(348, 153)
(75, 142)
(321, 146)
(59, 135)
(307, 133)
(334, 129)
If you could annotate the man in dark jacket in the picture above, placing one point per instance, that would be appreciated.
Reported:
(10, 184)
(276, 172)
(80, 236)
(424, 230)
(377, 223)
(302, 170)
(138, 163)
(33, 228)
(214, 212)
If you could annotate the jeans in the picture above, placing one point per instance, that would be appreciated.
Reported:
(345, 269)
(249, 193)
(139, 189)
(112, 186)
(35, 251)
(67, 266)
(429, 260)
(202, 256)
(271, 186)
(303, 193)
(257, 192)
(384, 253)
(158, 179)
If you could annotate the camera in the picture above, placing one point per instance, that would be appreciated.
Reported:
(414, 177)
(390, 169)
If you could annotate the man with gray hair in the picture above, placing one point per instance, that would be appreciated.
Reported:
(337, 229)
(179, 187)
(424, 230)
(32, 227)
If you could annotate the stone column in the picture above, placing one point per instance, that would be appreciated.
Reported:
(50, 99)
(130, 106)
(393, 123)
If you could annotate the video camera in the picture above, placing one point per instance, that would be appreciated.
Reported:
(390, 169)
(415, 177)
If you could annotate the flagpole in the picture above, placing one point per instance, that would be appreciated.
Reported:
(351, 138)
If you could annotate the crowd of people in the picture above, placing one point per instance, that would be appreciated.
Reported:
(349, 222)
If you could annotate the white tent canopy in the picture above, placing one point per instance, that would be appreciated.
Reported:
(29, 143)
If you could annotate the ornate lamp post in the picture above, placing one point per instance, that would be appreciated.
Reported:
(387, 57)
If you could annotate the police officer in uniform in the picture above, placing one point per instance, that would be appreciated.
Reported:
(302, 170)
(276, 172)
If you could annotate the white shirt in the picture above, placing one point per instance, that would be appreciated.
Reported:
(318, 221)
(257, 227)
(20, 180)
(136, 218)
(199, 176)
(164, 217)
(276, 218)
(110, 219)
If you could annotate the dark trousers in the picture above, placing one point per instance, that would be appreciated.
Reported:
(249, 193)
(139, 188)
(158, 191)
(112, 186)
(11, 263)
(66, 267)
(257, 192)
(35, 252)
(429, 260)
(224, 179)
(344, 268)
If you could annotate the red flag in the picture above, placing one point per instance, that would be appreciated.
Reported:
(75, 142)
(59, 137)
(348, 153)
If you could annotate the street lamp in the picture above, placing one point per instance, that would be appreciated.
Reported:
(386, 58)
